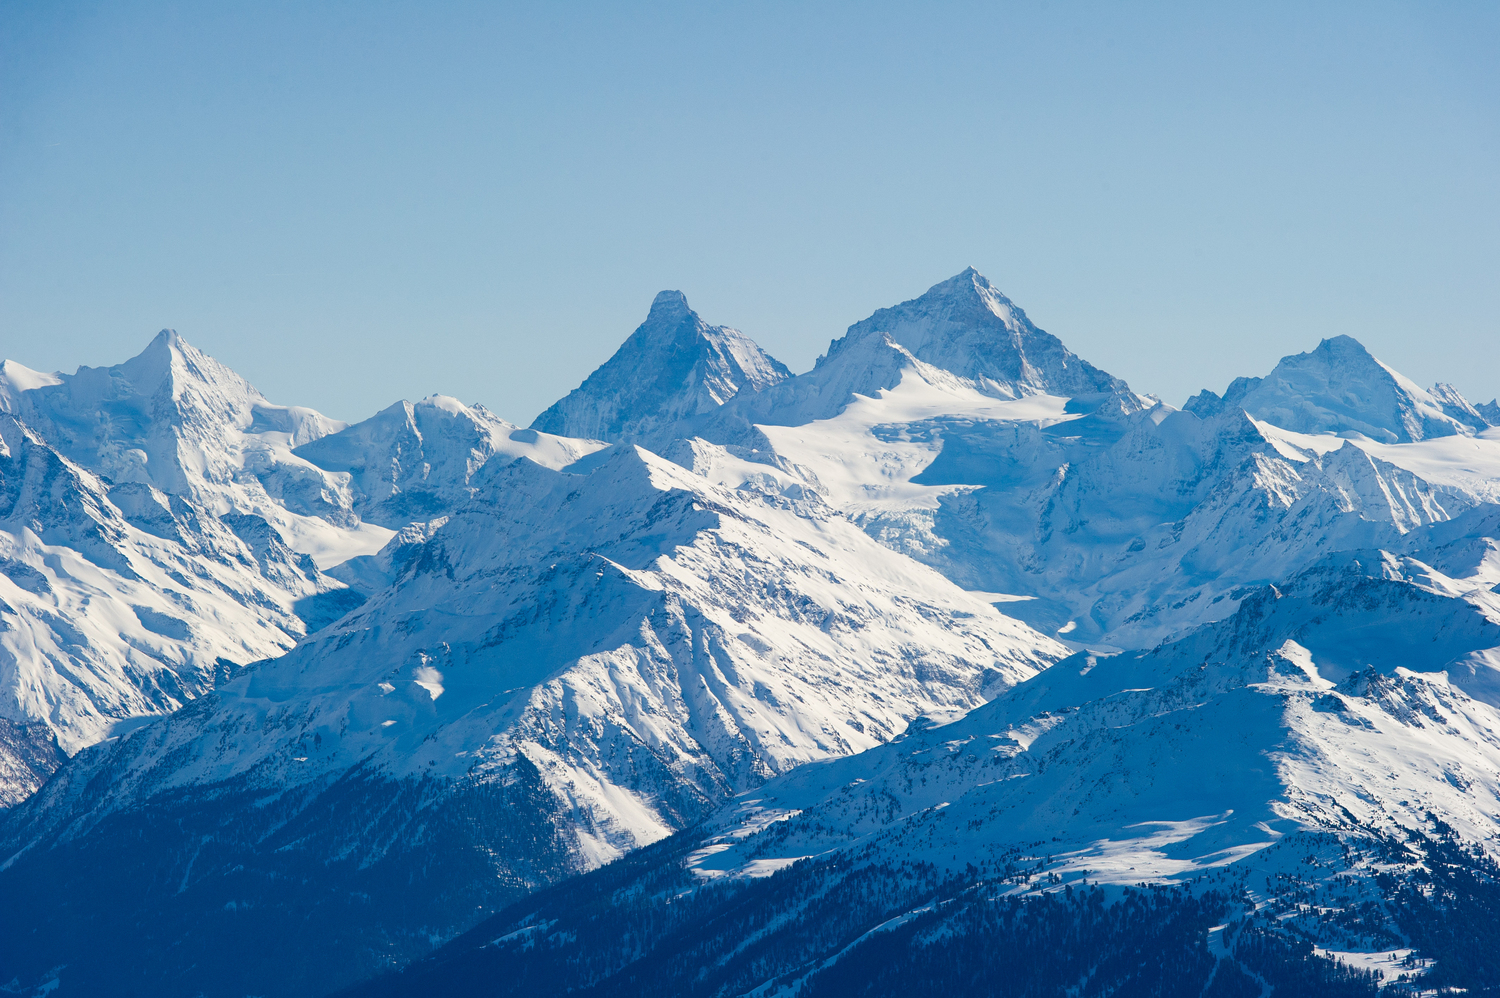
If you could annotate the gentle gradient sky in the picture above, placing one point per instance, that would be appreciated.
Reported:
(352, 203)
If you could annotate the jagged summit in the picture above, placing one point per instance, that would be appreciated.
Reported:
(1339, 387)
(171, 416)
(962, 332)
(415, 460)
(965, 326)
(673, 366)
(668, 303)
(533, 665)
(1454, 404)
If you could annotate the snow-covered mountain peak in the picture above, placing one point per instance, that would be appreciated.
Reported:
(567, 647)
(1460, 408)
(966, 326)
(413, 461)
(962, 337)
(1340, 387)
(674, 366)
(17, 378)
(171, 364)
(969, 287)
(668, 305)
(642, 642)
(172, 417)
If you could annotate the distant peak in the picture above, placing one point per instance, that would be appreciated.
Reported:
(967, 285)
(1340, 387)
(1344, 345)
(669, 304)
(161, 348)
(964, 277)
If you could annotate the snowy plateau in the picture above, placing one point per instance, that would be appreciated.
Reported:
(951, 666)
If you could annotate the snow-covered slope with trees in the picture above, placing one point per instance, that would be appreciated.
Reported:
(521, 653)
(1303, 769)
(633, 646)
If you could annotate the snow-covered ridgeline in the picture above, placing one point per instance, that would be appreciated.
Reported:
(1356, 699)
(638, 613)
(571, 649)
(183, 532)
(1106, 518)
(573, 665)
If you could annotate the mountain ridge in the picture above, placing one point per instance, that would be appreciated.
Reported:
(804, 611)
(1340, 387)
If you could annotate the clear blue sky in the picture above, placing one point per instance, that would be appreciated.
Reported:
(352, 203)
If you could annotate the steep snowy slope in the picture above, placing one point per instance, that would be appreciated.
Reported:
(1288, 761)
(570, 650)
(1340, 388)
(178, 420)
(1104, 518)
(1130, 540)
(414, 461)
(674, 366)
(157, 531)
(120, 602)
(963, 327)
(603, 658)
(1349, 699)
(1454, 404)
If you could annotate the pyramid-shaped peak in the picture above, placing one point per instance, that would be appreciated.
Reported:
(968, 285)
(186, 412)
(153, 363)
(163, 346)
(674, 366)
(968, 277)
(172, 361)
(1340, 387)
(668, 304)
(1345, 347)
(965, 326)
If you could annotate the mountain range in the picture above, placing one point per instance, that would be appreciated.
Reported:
(952, 627)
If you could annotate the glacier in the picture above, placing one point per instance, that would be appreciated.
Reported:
(951, 594)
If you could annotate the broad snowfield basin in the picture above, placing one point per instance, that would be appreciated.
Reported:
(950, 666)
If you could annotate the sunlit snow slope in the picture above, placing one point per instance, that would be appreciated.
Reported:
(417, 667)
